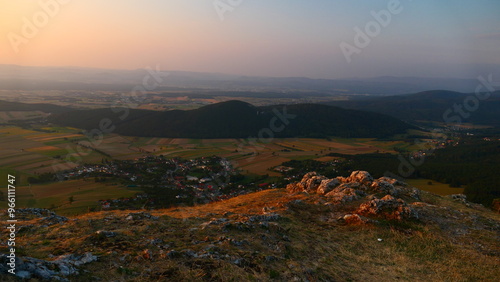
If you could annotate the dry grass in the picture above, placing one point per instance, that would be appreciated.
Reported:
(305, 244)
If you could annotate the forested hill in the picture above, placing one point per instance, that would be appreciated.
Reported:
(236, 119)
(23, 107)
(432, 106)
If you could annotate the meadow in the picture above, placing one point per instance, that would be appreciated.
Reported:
(434, 187)
(84, 195)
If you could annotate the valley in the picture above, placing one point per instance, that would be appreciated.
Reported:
(232, 140)
(32, 152)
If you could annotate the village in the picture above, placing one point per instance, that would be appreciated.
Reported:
(167, 180)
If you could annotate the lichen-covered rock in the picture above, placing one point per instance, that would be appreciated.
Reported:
(313, 183)
(387, 207)
(35, 212)
(459, 197)
(383, 186)
(140, 216)
(344, 194)
(414, 193)
(53, 219)
(393, 181)
(327, 185)
(361, 185)
(63, 266)
(360, 176)
(355, 219)
(309, 183)
(265, 217)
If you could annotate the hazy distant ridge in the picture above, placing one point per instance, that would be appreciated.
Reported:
(13, 77)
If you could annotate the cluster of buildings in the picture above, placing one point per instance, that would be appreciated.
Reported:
(204, 179)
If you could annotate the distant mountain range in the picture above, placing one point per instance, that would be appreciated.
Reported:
(236, 119)
(437, 105)
(13, 77)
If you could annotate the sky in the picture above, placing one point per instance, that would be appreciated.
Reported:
(316, 39)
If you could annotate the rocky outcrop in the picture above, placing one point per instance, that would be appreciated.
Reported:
(355, 219)
(58, 269)
(463, 199)
(344, 193)
(314, 183)
(383, 195)
(387, 207)
(309, 183)
(140, 216)
(46, 217)
(384, 186)
(34, 213)
(53, 219)
(360, 176)
(327, 185)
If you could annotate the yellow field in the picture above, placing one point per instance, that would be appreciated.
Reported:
(44, 148)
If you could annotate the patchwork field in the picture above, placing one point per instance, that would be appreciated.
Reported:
(49, 149)
(33, 152)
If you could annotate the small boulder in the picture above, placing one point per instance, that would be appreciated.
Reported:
(105, 233)
(459, 197)
(140, 216)
(355, 219)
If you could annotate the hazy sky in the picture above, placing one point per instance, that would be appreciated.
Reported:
(442, 38)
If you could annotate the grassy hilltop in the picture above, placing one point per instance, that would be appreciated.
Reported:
(274, 235)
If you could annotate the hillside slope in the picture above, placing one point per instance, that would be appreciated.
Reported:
(343, 229)
(236, 119)
(23, 107)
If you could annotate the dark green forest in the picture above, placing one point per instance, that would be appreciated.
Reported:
(23, 107)
(236, 119)
(432, 106)
(474, 165)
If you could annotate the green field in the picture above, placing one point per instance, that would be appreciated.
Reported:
(436, 187)
(85, 195)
